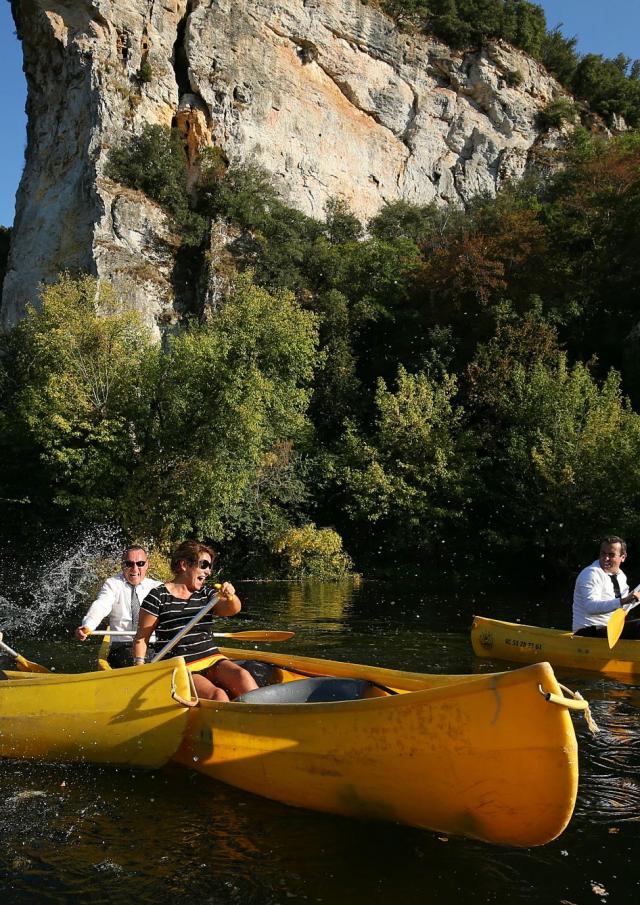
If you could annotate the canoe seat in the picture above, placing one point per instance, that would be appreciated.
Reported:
(319, 689)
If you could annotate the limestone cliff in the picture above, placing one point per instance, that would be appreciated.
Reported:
(328, 95)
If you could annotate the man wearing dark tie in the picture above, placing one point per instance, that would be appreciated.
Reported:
(602, 588)
(119, 599)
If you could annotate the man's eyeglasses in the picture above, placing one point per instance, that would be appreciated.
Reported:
(130, 563)
(205, 564)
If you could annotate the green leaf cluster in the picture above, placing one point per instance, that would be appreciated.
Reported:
(80, 369)
(155, 163)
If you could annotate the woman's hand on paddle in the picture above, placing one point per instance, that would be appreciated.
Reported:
(226, 590)
(228, 601)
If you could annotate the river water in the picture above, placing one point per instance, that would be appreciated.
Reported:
(75, 834)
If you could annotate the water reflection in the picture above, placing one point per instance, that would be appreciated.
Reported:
(80, 834)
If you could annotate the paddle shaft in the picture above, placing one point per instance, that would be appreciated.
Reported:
(254, 635)
(7, 649)
(187, 628)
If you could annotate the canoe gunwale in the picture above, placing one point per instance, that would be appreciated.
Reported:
(519, 643)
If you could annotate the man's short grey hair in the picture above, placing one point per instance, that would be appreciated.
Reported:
(134, 547)
(614, 539)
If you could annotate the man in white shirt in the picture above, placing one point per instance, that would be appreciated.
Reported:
(119, 599)
(600, 589)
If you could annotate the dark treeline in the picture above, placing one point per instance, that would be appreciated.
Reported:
(433, 390)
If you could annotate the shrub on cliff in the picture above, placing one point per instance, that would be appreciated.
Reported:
(155, 163)
(611, 86)
(278, 237)
(607, 85)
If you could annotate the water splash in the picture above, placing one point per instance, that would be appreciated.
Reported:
(56, 588)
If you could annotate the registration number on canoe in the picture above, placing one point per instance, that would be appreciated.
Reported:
(520, 642)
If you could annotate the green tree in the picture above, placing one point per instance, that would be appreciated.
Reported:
(558, 464)
(407, 482)
(82, 372)
(399, 219)
(407, 12)
(605, 84)
(309, 551)
(559, 55)
(277, 239)
(230, 394)
(341, 224)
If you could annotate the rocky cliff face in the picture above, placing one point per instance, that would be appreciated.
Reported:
(328, 95)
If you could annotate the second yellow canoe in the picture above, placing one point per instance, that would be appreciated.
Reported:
(518, 643)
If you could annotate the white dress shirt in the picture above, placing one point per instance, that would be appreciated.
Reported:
(114, 601)
(594, 598)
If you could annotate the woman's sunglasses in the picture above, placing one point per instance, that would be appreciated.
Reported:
(205, 564)
(130, 563)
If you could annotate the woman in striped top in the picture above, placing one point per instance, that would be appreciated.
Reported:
(169, 607)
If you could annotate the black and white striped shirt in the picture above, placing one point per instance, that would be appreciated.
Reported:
(173, 614)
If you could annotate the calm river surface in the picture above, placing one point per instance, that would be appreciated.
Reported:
(72, 834)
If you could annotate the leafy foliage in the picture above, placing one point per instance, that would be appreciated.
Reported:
(407, 480)
(609, 85)
(229, 395)
(435, 375)
(559, 459)
(81, 370)
(557, 112)
(310, 551)
(155, 163)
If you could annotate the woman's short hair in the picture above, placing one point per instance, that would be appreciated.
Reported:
(189, 551)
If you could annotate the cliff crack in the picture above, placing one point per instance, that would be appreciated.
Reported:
(308, 52)
(180, 59)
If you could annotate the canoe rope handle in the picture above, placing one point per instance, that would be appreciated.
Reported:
(178, 698)
(574, 701)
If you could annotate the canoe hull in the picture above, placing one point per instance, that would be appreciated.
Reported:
(123, 716)
(530, 644)
(480, 756)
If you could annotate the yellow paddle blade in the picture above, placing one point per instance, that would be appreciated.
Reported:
(28, 666)
(255, 636)
(615, 626)
(22, 663)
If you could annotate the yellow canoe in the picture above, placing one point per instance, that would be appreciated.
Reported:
(530, 644)
(493, 757)
(126, 716)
